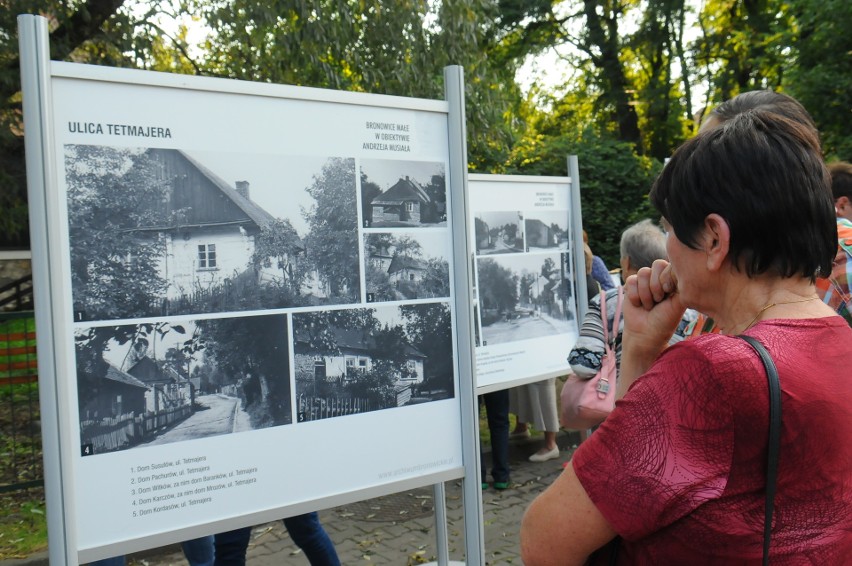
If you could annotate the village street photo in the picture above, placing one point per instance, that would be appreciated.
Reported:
(163, 382)
(157, 232)
(408, 194)
(367, 359)
(546, 230)
(523, 296)
(498, 232)
(406, 265)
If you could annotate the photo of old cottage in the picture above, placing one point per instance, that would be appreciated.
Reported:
(403, 194)
(362, 360)
(159, 383)
(158, 232)
(406, 265)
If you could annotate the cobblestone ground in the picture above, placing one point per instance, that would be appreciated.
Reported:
(399, 529)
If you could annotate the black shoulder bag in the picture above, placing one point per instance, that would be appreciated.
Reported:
(774, 439)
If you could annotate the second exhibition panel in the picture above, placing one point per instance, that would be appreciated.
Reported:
(526, 317)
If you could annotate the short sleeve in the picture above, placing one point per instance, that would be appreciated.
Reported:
(666, 448)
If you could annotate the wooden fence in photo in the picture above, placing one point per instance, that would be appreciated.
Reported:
(314, 408)
(124, 431)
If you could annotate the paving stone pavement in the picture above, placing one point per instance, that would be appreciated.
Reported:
(399, 529)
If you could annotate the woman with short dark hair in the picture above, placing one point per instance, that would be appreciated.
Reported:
(678, 468)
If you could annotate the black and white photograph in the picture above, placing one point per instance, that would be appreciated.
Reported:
(368, 359)
(402, 266)
(163, 382)
(499, 232)
(156, 232)
(523, 296)
(546, 230)
(409, 194)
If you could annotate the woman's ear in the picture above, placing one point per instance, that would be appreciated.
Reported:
(716, 241)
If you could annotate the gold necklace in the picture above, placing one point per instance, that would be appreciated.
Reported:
(770, 305)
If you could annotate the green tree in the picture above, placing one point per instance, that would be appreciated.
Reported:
(822, 78)
(614, 181)
(119, 33)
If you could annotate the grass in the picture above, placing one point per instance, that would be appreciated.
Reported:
(23, 523)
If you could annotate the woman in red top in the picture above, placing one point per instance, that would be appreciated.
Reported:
(678, 469)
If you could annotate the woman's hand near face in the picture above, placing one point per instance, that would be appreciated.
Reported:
(651, 314)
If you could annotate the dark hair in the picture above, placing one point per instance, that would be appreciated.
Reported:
(770, 100)
(841, 179)
(763, 173)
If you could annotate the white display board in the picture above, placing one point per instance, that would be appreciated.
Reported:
(251, 300)
(522, 234)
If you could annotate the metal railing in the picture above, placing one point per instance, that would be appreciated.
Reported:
(18, 294)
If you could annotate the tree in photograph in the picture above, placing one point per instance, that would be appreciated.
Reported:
(436, 189)
(314, 331)
(379, 283)
(388, 349)
(279, 244)
(407, 246)
(114, 196)
(436, 278)
(525, 286)
(90, 345)
(511, 231)
(481, 232)
(369, 191)
(497, 286)
(548, 268)
(252, 352)
(332, 242)
(376, 277)
(429, 329)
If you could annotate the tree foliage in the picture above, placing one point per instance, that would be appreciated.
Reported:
(333, 238)
(279, 243)
(497, 286)
(637, 71)
(113, 195)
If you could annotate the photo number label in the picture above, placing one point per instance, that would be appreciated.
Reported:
(367, 223)
(301, 417)
(87, 450)
(371, 297)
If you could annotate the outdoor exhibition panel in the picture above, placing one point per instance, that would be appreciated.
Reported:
(251, 307)
(523, 235)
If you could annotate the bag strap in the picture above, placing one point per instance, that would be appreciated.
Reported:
(604, 311)
(605, 317)
(774, 439)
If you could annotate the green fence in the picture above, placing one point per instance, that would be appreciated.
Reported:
(20, 425)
